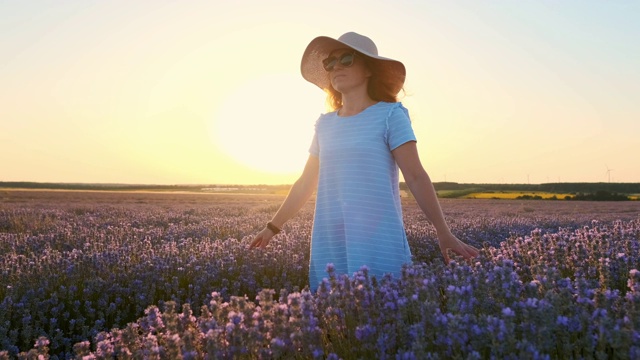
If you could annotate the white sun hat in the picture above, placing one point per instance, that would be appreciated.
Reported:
(392, 72)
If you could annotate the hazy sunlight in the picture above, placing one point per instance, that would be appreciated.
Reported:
(267, 123)
(161, 92)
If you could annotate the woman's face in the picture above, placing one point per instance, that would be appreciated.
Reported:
(346, 78)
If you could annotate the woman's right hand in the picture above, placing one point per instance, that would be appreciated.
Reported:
(300, 192)
(262, 239)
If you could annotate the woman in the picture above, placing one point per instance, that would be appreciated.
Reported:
(353, 162)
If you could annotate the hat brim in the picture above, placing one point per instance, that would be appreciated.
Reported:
(393, 72)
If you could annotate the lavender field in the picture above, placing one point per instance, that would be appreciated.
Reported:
(97, 275)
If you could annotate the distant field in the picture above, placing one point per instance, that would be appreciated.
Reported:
(445, 190)
(510, 195)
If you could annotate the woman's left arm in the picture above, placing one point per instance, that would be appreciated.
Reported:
(406, 156)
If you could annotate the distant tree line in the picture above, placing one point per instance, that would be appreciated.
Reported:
(571, 188)
(535, 197)
(597, 196)
(601, 195)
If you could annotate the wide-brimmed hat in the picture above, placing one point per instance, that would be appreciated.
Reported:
(392, 72)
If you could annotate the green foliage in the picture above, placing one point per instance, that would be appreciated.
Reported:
(601, 195)
(453, 194)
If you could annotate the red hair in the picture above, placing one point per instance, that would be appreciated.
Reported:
(377, 87)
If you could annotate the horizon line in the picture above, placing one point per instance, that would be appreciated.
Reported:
(2, 182)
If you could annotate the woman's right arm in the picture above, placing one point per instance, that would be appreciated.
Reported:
(300, 192)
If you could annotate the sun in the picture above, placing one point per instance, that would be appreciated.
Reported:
(267, 123)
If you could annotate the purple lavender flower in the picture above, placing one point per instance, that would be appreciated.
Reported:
(562, 320)
(508, 312)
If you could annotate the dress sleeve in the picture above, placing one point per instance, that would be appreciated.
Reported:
(399, 130)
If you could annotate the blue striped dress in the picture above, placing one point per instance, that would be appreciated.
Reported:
(358, 214)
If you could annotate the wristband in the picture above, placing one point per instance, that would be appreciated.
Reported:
(273, 228)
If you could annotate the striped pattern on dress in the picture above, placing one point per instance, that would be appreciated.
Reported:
(358, 214)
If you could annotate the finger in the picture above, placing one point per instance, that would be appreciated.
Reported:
(265, 241)
(461, 250)
(474, 250)
(466, 252)
(469, 251)
(255, 243)
(445, 254)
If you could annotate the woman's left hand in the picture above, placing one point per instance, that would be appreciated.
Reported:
(450, 242)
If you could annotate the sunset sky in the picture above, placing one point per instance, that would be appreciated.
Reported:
(210, 92)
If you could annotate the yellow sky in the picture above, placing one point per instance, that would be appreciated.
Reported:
(165, 92)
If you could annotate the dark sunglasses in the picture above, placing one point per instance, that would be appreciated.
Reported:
(345, 60)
